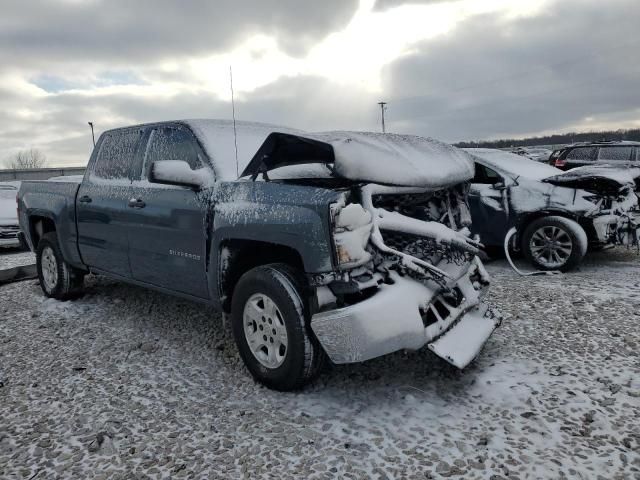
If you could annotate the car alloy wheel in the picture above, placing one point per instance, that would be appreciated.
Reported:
(551, 246)
(265, 331)
(49, 269)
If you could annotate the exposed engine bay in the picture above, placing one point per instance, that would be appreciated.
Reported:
(410, 270)
(421, 234)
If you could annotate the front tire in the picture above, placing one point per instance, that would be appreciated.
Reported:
(57, 279)
(270, 315)
(554, 243)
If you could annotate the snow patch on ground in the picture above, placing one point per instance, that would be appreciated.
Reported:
(124, 381)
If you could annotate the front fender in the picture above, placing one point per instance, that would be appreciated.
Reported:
(288, 215)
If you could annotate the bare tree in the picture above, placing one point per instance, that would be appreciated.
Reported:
(31, 158)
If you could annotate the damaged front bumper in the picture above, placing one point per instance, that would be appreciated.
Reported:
(407, 314)
(618, 229)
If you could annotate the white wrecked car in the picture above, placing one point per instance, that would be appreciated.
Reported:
(557, 215)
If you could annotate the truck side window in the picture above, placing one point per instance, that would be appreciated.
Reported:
(168, 143)
(116, 155)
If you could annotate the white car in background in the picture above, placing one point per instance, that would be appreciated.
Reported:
(538, 154)
(9, 227)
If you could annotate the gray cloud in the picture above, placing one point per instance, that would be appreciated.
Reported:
(44, 32)
(497, 77)
(387, 4)
(489, 77)
(305, 102)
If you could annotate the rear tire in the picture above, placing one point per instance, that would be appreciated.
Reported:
(270, 318)
(58, 279)
(554, 243)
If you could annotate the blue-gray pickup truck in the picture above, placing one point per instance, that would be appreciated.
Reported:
(338, 245)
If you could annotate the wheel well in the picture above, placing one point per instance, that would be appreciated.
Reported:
(38, 227)
(583, 222)
(239, 256)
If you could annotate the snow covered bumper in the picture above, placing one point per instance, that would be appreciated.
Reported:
(408, 315)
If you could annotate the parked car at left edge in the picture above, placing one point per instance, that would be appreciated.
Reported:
(9, 227)
(558, 215)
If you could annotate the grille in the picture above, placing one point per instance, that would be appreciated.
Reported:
(9, 232)
(441, 307)
(423, 248)
(391, 202)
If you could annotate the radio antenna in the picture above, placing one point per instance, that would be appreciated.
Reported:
(233, 109)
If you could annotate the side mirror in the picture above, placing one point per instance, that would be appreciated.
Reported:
(499, 186)
(178, 172)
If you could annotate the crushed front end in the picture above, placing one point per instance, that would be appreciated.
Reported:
(616, 218)
(408, 276)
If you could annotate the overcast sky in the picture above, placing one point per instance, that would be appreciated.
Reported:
(450, 69)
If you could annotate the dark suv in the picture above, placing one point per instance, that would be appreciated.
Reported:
(620, 153)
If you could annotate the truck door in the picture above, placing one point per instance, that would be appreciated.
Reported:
(102, 202)
(486, 202)
(166, 223)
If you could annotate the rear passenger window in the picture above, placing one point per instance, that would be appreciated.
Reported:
(116, 155)
(485, 175)
(584, 153)
(168, 143)
(615, 154)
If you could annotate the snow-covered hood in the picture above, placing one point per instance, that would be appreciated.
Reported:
(386, 159)
(595, 178)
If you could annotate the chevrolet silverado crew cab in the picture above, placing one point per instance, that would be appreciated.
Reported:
(341, 245)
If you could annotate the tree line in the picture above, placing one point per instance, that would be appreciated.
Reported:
(557, 139)
(31, 158)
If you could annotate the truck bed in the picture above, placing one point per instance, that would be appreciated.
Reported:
(52, 201)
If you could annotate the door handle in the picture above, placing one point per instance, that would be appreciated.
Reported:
(85, 199)
(136, 203)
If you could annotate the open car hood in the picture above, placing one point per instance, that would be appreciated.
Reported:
(604, 179)
(386, 159)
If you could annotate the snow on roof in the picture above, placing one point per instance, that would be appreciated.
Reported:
(513, 164)
(603, 143)
(373, 157)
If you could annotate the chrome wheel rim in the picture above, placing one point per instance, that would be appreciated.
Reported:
(265, 331)
(49, 269)
(551, 246)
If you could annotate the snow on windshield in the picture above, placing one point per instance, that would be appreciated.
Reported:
(217, 138)
(515, 165)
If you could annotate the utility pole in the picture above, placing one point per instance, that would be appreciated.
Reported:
(93, 137)
(382, 109)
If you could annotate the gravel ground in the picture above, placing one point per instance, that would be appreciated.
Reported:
(128, 383)
(13, 257)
